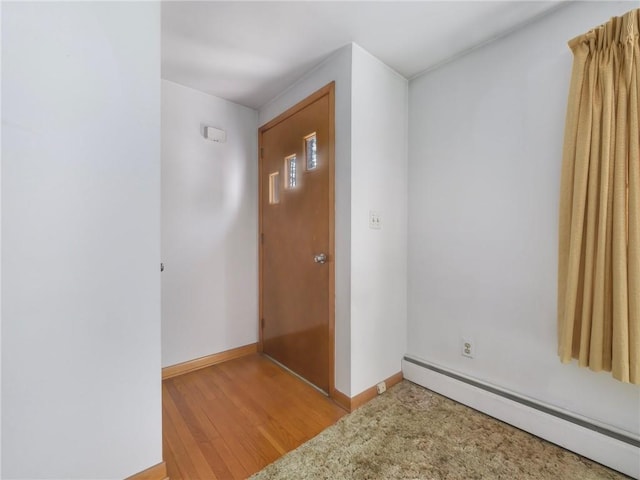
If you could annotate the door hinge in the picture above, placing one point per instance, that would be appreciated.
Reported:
(261, 152)
(262, 238)
(262, 322)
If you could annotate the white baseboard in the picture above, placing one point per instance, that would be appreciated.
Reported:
(533, 417)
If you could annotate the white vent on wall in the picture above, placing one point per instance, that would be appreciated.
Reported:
(215, 134)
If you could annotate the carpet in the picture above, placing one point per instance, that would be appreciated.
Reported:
(412, 433)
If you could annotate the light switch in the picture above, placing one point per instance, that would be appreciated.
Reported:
(375, 221)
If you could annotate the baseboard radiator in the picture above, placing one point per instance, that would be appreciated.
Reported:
(615, 449)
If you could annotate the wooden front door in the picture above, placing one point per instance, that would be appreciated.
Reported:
(296, 244)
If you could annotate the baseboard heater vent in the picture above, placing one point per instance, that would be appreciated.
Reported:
(529, 403)
(612, 448)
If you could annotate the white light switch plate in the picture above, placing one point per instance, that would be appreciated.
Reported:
(375, 221)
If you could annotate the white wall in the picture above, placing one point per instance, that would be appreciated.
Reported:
(485, 148)
(80, 248)
(209, 226)
(336, 68)
(378, 257)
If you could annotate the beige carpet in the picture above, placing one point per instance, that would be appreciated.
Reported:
(412, 433)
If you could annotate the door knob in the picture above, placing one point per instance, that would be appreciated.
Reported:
(320, 258)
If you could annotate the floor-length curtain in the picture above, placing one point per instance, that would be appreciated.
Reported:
(599, 244)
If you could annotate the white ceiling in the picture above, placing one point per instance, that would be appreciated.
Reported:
(248, 52)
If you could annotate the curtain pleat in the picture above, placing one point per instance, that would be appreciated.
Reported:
(599, 236)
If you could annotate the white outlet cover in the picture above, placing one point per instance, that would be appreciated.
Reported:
(469, 351)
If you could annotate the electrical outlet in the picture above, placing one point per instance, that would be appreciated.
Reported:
(375, 221)
(467, 347)
(382, 387)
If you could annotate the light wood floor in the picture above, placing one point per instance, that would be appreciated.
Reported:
(231, 420)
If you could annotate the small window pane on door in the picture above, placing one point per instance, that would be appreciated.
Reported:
(310, 152)
(274, 188)
(290, 168)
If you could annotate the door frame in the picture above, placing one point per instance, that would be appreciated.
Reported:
(327, 90)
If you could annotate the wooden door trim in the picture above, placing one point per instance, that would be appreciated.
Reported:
(327, 90)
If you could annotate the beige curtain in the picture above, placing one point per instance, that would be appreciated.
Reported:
(599, 247)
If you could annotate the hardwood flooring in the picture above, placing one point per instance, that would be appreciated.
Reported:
(231, 420)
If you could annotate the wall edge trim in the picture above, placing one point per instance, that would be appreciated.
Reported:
(341, 399)
(157, 472)
(352, 403)
(372, 392)
(208, 360)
